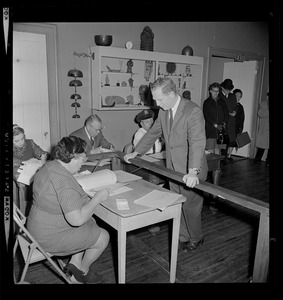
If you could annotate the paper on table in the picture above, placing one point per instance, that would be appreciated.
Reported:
(123, 176)
(122, 204)
(96, 180)
(113, 189)
(158, 199)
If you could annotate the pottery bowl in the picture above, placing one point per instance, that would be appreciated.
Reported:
(103, 40)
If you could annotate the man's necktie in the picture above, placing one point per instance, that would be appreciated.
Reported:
(91, 142)
(171, 118)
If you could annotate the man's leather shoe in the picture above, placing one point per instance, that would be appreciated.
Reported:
(192, 246)
(183, 246)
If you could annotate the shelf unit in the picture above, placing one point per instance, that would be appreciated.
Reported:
(117, 75)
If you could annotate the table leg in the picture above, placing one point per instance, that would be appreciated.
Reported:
(122, 238)
(175, 243)
(216, 176)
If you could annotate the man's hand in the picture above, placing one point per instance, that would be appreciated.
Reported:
(130, 156)
(191, 180)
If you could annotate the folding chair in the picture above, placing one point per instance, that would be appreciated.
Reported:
(32, 252)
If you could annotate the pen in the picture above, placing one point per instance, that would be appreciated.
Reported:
(94, 169)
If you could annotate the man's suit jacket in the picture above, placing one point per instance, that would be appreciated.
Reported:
(185, 143)
(99, 140)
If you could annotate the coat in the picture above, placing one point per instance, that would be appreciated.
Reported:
(185, 143)
(231, 102)
(262, 140)
(99, 140)
(215, 112)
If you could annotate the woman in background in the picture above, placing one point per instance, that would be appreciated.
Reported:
(262, 140)
(24, 149)
(216, 117)
(61, 214)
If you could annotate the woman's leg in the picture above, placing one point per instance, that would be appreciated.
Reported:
(92, 254)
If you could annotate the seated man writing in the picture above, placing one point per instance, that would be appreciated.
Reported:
(145, 120)
(92, 134)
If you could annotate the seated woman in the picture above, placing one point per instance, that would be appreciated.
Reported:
(145, 120)
(23, 150)
(61, 214)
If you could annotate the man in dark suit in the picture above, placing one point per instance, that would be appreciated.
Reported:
(185, 142)
(92, 134)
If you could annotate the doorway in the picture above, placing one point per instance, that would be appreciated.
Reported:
(30, 87)
(224, 63)
(49, 135)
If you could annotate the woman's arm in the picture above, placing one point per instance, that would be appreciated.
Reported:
(80, 216)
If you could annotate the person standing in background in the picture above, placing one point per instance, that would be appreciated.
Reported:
(262, 139)
(231, 101)
(240, 116)
(216, 117)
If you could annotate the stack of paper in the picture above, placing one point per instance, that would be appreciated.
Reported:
(115, 181)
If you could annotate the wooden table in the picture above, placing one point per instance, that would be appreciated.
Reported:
(139, 216)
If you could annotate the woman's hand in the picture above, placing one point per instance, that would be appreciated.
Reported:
(43, 158)
(101, 195)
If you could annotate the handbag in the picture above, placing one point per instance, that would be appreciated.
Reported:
(222, 137)
(243, 139)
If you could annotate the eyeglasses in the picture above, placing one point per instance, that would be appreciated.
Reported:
(96, 129)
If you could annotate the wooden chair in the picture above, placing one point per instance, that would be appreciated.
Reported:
(32, 252)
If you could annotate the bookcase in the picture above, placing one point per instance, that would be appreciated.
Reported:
(120, 78)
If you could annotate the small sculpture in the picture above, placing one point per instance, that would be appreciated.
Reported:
(129, 66)
(147, 39)
(131, 82)
(107, 82)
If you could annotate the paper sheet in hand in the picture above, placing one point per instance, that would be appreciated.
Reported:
(158, 199)
(28, 170)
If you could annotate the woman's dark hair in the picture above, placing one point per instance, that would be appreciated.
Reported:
(237, 91)
(215, 85)
(67, 148)
(17, 130)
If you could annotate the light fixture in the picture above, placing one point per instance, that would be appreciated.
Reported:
(75, 83)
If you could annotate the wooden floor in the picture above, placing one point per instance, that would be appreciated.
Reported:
(226, 256)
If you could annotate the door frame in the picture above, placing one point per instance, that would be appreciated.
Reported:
(50, 31)
(246, 56)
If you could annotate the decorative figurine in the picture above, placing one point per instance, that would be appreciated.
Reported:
(188, 70)
(129, 66)
(107, 82)
(148, 69)
(147, 39)
(131, 82)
